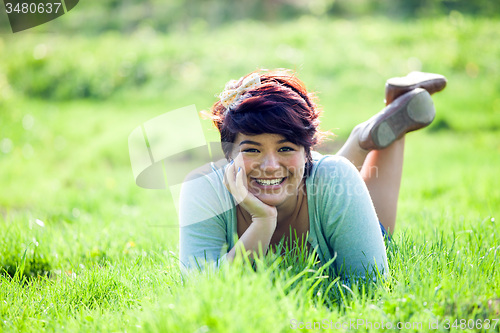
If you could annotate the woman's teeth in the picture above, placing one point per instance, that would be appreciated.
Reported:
(267, 182)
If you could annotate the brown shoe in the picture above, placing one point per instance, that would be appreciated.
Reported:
(397, 86)
(409, 112)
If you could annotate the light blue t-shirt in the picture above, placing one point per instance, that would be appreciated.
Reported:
(342, 219)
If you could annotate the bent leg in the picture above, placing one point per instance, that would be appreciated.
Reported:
(381, 170)
(351, 149)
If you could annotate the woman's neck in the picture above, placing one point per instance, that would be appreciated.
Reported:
(288, 210)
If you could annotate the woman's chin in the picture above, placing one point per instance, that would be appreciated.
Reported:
(270, 199)
(273, 195)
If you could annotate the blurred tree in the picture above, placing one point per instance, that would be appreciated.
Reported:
(95, 17)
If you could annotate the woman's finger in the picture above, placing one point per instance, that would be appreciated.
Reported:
(235, 179)
(241, 187)
(230, 181)
(230, 176)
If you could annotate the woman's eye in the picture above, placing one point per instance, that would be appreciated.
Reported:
(250, 150)
(285, 149)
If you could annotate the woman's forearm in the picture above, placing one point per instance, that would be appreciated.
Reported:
(258, 235)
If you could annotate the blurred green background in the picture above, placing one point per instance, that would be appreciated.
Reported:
(73, 89)
(96, 17)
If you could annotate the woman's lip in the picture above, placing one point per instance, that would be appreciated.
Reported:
(254, 181)
(268, 178)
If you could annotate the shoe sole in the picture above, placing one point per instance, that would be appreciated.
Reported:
(415, 79)
(397, 86)
(416, 113)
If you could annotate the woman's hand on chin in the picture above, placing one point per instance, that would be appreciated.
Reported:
(235, 180)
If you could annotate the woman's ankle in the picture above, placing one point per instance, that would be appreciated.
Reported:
(352, 150)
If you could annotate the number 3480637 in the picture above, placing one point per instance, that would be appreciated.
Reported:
(470, 324)
(32, 8)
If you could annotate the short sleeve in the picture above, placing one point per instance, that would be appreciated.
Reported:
(348, 220)
(205, 209)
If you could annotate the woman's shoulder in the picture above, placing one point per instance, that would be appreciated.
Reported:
(210, 173)
(203, 194)
(205, 182)
(331, 167)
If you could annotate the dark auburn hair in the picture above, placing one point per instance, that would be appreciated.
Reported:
(280, 105)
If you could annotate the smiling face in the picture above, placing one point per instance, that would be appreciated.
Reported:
(274, 167)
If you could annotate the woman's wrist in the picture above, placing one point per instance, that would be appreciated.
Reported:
(258, 235)
(269, 221)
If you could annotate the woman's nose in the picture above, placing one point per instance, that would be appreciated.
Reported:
(270, 162)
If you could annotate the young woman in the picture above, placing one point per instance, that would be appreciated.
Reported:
(274, 185)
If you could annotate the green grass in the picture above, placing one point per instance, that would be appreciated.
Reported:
(98, 253)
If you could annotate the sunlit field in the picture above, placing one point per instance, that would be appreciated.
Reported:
(83, 248)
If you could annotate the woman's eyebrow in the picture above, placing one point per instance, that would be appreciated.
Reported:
(250, 142)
